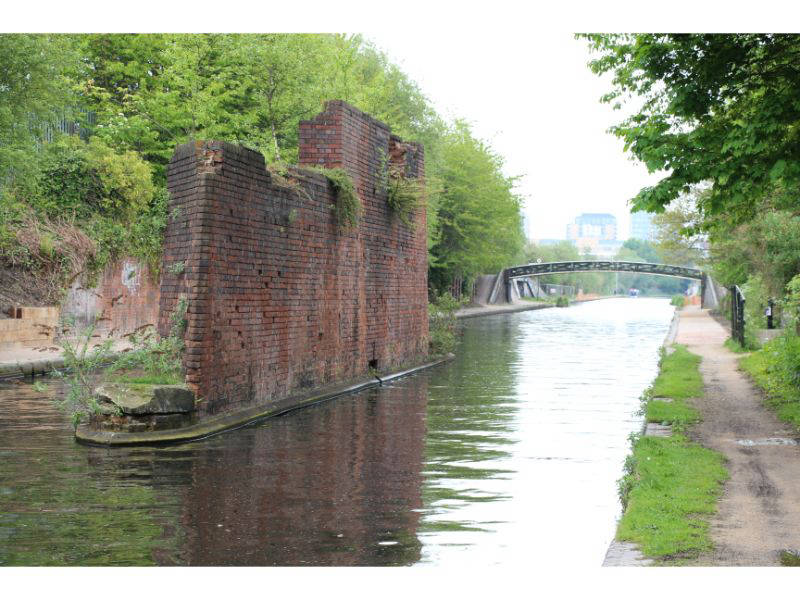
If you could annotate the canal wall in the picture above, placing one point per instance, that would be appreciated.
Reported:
(124, 299)
(280, 298)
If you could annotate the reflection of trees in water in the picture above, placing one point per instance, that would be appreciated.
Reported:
(64, 504)
(336, 484)
(333, 485)
(470, 414)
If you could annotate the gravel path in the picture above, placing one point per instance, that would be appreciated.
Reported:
(759, 513)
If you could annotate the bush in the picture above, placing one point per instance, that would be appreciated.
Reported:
(678, 300)
(442, 324)
(562, 301)
(85, 179)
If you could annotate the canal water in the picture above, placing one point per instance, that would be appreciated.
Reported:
(508, 455)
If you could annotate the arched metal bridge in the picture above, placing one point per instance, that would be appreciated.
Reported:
(621, 266)
(501, 291)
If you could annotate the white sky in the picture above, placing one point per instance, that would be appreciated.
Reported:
(537, 103)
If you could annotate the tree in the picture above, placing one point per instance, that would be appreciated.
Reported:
(714, 108)
(480, 225)
(34, 93)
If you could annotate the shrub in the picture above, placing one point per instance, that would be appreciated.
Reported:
(678, 300)
(562, 301)
(442, 324)
(84, 179)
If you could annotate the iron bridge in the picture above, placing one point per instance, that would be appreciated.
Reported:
(579, 266)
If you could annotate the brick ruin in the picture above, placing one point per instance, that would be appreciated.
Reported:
(280, 298)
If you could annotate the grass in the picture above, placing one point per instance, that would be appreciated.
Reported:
(677, 413)
(674, 484)
(780, 397)
(671, 484)
(166, 379)
(735, 347)
(679, 376)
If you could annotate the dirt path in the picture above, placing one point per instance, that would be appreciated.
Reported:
(759, 513)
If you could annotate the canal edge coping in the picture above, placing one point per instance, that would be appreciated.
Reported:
(628, 554)
(238, 419)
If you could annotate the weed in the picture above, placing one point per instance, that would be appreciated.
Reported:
(81, 360)
(348, 206)
(39, 386)
(177, 268)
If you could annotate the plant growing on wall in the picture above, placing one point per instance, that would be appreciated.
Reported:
(404, 196)
(348, 206)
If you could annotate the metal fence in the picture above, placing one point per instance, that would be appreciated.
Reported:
(737, 314)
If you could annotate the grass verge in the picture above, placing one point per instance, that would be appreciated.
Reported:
(671, 484)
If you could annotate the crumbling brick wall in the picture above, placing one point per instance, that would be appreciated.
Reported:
(281, 298)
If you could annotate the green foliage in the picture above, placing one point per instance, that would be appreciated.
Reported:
(679, 377)
(678, 300)
(348, 205)
(776, 369)
(562, 301)
(670, 487)
(479, 222)
(404, 196)
(151, 92)
(677, 239)
(153, 359)
(86, 179)
(670, 483)
(756, 298)
(82, 359)
(735, 347)
(34, 91)
(718, 108)
(442, 324)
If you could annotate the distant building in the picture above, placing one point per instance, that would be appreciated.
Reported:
(642, 226)
(601, 226)
(595, 232)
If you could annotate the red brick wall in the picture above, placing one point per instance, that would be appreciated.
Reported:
(281, 299)
(125, 298)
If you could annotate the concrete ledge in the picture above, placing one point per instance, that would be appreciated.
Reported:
(625, 554)
(219, 424)
(30, 368)
(485, 311)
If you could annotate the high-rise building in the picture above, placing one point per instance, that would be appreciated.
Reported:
(642, 226)
(596, 232)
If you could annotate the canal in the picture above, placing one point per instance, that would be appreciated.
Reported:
(508, 455)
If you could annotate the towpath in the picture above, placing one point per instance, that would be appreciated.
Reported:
(759, 512)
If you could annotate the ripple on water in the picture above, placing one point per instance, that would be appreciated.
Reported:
(520, 439)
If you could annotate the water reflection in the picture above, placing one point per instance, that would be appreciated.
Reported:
(507, 455)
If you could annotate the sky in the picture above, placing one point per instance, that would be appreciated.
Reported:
(538, 105)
